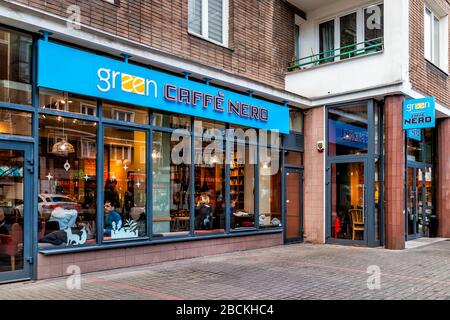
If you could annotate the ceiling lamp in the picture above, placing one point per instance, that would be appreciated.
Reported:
(63, 147)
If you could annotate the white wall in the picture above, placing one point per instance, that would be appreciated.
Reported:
(356, 74)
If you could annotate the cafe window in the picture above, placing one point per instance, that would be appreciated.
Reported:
(269, 183)
(15, 67)
(15, 122)
(209, 178)
(125, 113)
(296, 121)
(242, 185)
(174, 121)
(171, 187)
(67, 182)
(67, 102)
(348, 130)
(125, 183)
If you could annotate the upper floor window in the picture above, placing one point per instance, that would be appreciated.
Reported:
(15, 67)
(352, 34)
(209, 19)
(436, 38)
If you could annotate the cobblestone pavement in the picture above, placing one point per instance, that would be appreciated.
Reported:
(300, 271)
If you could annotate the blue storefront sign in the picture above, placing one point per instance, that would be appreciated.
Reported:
(419, 113)
(72, 70)
(348, 135)
(414, 134)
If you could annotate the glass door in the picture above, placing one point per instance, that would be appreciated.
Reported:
(415, 203)
(16, 168)
(294, 205)
(348, 214)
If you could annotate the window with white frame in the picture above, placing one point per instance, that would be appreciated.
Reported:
(357, 32)
(209, 19)
(436, 37)
(123, 115)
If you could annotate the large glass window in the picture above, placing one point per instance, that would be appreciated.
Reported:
(15, 122)
(348, 35)
(296, 120)
(326, 40)
(68, 102)
(373, 27)
(67, 181)
(209, 177)
(269, 182)
(348, 130)
(125, 183)
(171, 183)
(174, 121)
(242, 185)
(15, 67)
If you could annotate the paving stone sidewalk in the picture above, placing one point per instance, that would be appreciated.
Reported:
(300, 271)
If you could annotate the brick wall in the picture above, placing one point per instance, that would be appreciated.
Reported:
(425, 77)
(53, 266)
(314, 188)
(261, 32)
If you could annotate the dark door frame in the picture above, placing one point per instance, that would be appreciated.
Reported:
(28, 253)
(374, 154)
(415, 166)
(293, 169)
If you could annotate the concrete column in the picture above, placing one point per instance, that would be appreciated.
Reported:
(443, 178)
(314, 183)
(394, 194)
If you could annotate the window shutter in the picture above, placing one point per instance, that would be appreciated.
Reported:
(195, 16)
(215, 19)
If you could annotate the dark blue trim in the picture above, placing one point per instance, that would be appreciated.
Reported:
(99, 174)
(227, 185)
(18, 107)
(149, 182)
(35, 179)
(58, 113)
(192, 181)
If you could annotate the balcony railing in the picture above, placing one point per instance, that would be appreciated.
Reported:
(349, 51)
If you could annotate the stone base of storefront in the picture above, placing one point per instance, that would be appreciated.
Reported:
(52, 266)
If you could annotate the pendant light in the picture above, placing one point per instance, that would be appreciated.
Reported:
(63, 147)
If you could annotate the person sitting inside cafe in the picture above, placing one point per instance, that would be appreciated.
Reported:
(111, 215)
(204, 213)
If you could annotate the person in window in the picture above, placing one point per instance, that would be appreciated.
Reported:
(111, 215)
(111, 193)
(204, 212)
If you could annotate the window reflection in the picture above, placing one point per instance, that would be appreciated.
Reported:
(68, 102)
(242, 185)
(15, 122)
(348, 130)
(269, 194)
(67, 181)
(171, 190)
(15, 67)
(125, 183)
(209, 177)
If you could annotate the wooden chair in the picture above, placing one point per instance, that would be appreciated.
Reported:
(357, 221)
